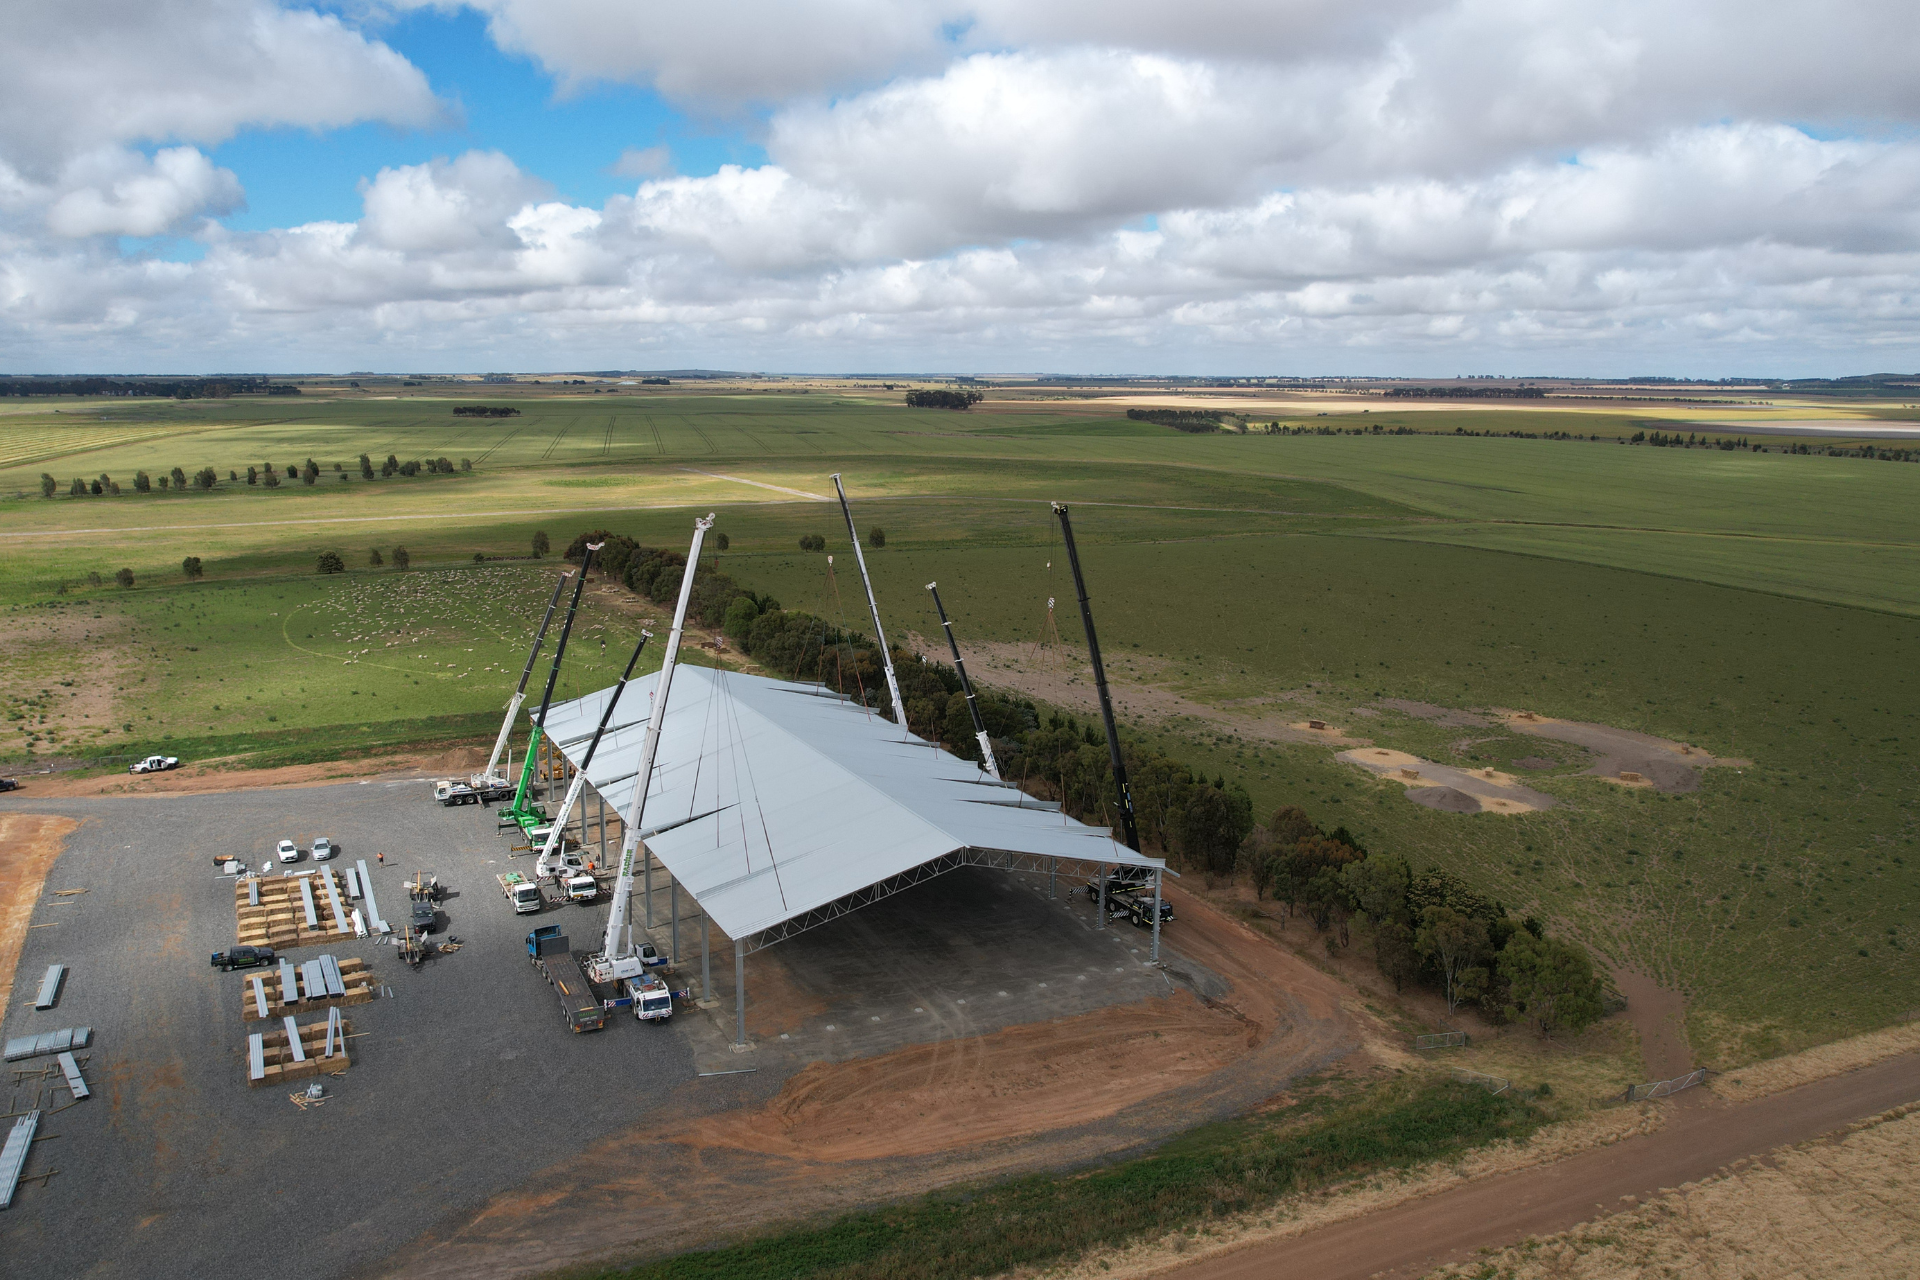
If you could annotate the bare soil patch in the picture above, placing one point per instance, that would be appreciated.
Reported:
(29, 844)
(1066, 681)
(952, 1094)
(1455, 790)
(1451, 716)
(1626, 757)
(1536, 762)
(1659, 1017)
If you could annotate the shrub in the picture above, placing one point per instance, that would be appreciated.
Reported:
(1550, 982)
(271, 478)
(720, 540)
(390, 466)
(142, 482)
(409, 468)
(366, 467)
(310, 472)
(191, 567)
(329, 562)
(206, 477)
(741, 615)
(78, 489)
(400, 558)
(466, 464)
(443, 466)
(541, 543)
(124, 577)
(877, 536)
(48, 484)
(373, 558)
(97, 488)
(179, 478)
(163, 483)
(813, 542)
(253, 477)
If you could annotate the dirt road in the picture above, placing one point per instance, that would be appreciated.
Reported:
(1414, 1238)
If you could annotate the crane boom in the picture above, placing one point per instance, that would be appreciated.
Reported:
(487, 777)
(1128, 828)
(519, 811)
(873, 607)
(966, 687)
(611, 963)
(559, 823)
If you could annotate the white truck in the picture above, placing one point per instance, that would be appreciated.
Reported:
(523, 893)
(651, 999)
(154, 764)
(582, 888)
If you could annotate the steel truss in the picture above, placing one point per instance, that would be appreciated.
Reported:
(1085, 869)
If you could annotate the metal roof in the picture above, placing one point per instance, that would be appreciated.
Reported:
(772, 799)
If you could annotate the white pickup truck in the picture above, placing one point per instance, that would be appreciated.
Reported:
(154, 764)
(523, 893)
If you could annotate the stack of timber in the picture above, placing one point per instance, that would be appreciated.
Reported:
(293, 1052)
(284, 912)
(321, 983)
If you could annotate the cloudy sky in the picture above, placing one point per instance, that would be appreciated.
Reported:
(1700, 187)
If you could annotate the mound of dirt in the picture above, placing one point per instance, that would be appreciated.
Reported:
(1536, 762)
(1445, 799)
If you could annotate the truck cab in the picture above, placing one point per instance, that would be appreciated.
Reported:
(652, 1002)
(527, 898)
(582, 888)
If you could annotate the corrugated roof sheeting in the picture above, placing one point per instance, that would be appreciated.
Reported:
(773, 798)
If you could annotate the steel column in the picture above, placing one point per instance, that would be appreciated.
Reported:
(1156, 915)
(740, 991)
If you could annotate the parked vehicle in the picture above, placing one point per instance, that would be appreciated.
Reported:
(523, 893)
(288, 851)
(449, 792)
(243, 958)
(559, 864)
(8, 784)
(154, 764)
(549, 952)
(423, 917)
(322, 849)
(582, 888)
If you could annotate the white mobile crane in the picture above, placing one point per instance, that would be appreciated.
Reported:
(487, 779)
(551, 861)
(617, 958)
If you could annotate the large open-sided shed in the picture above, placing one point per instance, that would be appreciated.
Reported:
(780, 806)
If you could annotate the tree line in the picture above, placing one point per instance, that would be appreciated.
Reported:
(1425, 928)
(484, 411)
(1196, 421)
(961, 400)
(172, 388)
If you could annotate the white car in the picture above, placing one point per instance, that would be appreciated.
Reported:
(288, 851)
(322, 849)
(154, 764)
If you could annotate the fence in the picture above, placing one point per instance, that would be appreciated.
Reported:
(1441, 1040)
(1665, 1088)
(1492, 1084)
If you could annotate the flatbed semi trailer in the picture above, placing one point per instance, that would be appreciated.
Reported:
(550, 953)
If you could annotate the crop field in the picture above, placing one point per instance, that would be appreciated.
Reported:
(1760, 606)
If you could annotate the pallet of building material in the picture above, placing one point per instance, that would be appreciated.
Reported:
(274, 1057)
(340, 983)
(48, 1042)
(290, 911)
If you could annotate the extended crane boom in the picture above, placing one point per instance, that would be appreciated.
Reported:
(966, 687)
(520, 811)
(879, 632)
(1128, 828)
(487, 777)
(613, 962)
(559, 823)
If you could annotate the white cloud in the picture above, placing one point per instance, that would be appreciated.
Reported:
(1052, 183)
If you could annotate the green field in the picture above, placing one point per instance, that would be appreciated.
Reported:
(1758, 605)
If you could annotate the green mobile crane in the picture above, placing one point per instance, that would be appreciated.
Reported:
(523, 811)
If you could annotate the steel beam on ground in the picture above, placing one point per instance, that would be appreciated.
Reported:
(13, 1155)
(374, 922)
(313, 981)
(293, 1041)
(253, 891)
(330, 972)
(340, 924)
(306, 901)
(76, 1083)
(289, 987)
(50, 987)
(259, 995)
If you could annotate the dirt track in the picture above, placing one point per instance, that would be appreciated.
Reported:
(1414, 1238)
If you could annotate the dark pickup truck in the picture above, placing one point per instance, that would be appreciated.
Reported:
(243, 958)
